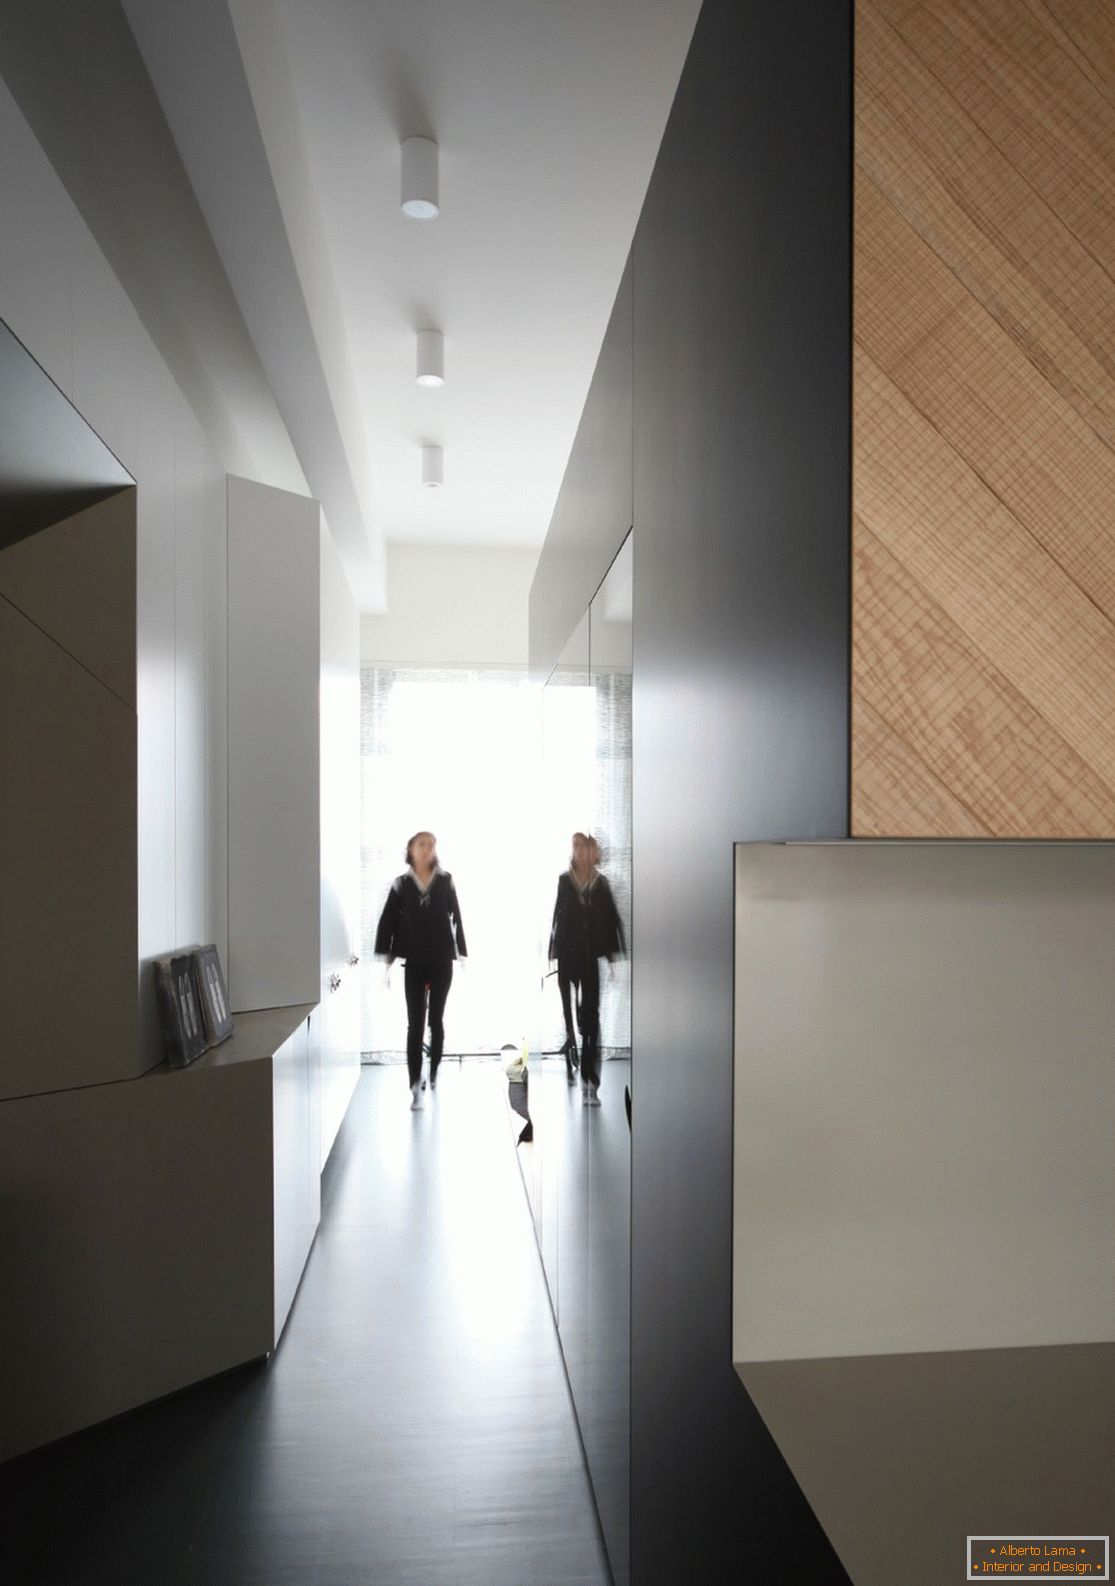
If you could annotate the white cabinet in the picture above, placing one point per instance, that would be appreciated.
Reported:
(274, 874)
(340, 845)
(296, 1115)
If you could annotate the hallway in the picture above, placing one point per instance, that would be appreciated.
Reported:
(414, 1425)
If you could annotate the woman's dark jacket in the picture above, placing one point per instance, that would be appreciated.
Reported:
(421, 925)
(586, 925)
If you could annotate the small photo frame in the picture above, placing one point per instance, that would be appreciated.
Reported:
(179, 1009)
(212, 995)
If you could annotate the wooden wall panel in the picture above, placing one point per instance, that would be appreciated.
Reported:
(983, 680)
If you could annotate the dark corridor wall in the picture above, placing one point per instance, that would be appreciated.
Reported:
(738, 323)
(741, 370)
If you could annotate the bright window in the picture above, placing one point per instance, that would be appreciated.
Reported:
(460, 753)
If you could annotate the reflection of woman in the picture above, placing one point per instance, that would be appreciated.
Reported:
(421, 923)
(518, 1087)
(586, 928)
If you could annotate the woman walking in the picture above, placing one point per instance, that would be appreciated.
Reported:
(421, 923)
(586, 928)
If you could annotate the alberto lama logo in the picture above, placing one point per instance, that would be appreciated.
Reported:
(1039, 1557)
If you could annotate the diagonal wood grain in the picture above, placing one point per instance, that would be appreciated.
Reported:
(975, 384)
(983, 671)
(891, 775)
(979, 757)
(1085, 30)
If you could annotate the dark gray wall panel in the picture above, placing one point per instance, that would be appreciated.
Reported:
(741, 506)
(593, 510)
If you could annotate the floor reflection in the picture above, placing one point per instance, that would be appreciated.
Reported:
(577, 1173)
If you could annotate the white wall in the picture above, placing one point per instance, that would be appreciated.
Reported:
(61, 299)
(448, 607)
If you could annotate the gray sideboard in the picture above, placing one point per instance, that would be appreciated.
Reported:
(156, 1228)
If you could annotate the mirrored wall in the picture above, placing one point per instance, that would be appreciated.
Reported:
(577, 1164)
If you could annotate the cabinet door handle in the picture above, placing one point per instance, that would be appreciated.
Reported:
(334, 982)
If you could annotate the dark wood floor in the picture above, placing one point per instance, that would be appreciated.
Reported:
(414, 1425)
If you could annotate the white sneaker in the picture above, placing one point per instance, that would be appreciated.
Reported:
(592, 1099)
(415, 1098)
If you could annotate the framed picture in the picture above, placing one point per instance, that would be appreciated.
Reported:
(179, 1009)
(212, 995)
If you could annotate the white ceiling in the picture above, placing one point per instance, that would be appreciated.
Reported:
(548, 114)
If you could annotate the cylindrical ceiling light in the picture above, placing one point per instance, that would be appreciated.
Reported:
(420, 199)
(433, 473)
(431, 357)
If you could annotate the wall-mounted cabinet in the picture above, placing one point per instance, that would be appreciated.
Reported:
(339, 993)
(274, 774)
